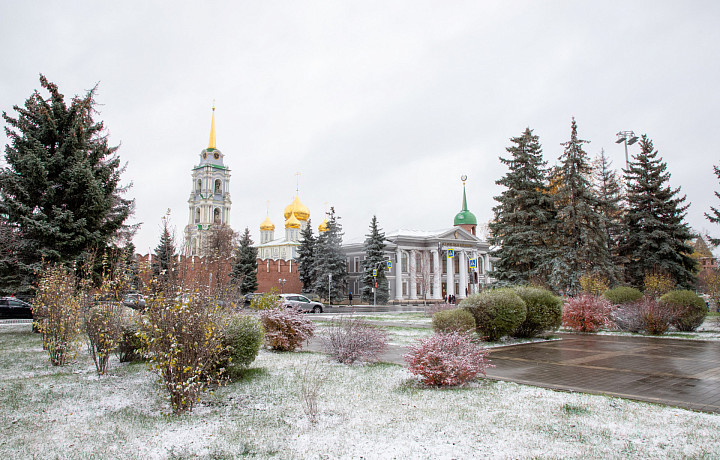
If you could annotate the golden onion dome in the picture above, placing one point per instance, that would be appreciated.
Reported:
(300, 210)
(323, 226)
(267, 225)
(292, 222)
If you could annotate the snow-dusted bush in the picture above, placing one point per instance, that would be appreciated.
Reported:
(622, 294)
(352, 339)
(446, 359)
(431, 309)
(689, 309)
(267, 301)
(242, 337)
(586, 313)
(656, 319)
(103, 326)
(285, 328)
(628, 317)
(184, 340)
(593, 283)
(497, 312)
(455, 320)
(130, 347)
(657, 284)
(544, 311)
(57, 309)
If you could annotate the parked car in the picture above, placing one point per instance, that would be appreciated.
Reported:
(301, 303)
(14, 308)
(134, 301)
(248, 298)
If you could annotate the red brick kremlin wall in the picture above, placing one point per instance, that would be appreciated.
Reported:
(198, 271)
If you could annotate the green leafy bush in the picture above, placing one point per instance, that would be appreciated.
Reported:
(243, 336)
(130, 348)
(544, 311)
(455, 320)
(622, 294)
(497, 312)
(689, 309)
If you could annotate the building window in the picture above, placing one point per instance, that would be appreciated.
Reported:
(197, 215)
(405, 262)
(357, 264)
(405, 288)
(216, 215)
(198, 186)
(218, 187)
(268, 266)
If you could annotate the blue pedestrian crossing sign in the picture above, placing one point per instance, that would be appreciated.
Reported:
(374, 271)
(451, 253)
(389, 264)
(473, 263)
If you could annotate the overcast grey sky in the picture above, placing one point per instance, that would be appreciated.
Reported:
(380, 105)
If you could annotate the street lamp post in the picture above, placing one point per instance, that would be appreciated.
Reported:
(628, 138)
(281, 282)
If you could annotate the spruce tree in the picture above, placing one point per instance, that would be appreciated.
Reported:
(61, 185)
(244, 270)
(330, 261)
(714, 217)
(524, 217)
(375, 260)
(610, 195)
(581, 239)
(657, 238)
(164, 265)
(306, 258)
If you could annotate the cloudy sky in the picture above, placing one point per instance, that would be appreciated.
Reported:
(380, 105)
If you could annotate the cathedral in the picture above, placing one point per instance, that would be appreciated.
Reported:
(209, 201)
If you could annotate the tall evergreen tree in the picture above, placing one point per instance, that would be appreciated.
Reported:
(244, 270)
(609, 192)
(657, 238)
(306, 258)
(714, 215)
(524, 217)
(62, 182)
(164, 265)
(581, 240)
(330, 261)
(375, 260)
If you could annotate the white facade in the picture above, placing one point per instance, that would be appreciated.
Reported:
(421, 266)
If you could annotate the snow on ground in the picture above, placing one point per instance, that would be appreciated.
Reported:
(369, 411)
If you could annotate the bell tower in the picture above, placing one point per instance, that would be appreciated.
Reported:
(209, 201)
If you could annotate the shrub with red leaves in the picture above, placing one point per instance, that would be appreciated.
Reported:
(446, 359)
(586, 313)
(285, 328)
(656, 318)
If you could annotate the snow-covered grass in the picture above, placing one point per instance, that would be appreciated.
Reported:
(373, 411)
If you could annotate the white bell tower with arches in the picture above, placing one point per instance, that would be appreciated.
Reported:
(209, 201)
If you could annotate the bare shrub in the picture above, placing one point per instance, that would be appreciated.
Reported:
(593, 283)
(103, 326)
(628, 317)
(57, 308)
(446, 359)
(311, 380)
(285, 328)
(431, 309)
(586, 313)
(656, 318)
(184, 339)
(352, 339)
(658, 283)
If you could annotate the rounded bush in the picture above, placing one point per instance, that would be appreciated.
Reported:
(497, 312)
(455, 320)
(688, 309)
(286, 328)
(243, 336)
(544, 311)
(622, 294)
(446, 359)
(586, 313)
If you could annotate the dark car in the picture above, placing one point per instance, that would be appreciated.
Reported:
(301, 303)
(14, 308)
(134, 301)
(248, 298)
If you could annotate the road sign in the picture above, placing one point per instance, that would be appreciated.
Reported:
(374, 271)
(473, 263)
(389, 264)
(451, 253)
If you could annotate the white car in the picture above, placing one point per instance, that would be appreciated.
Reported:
(302, 303)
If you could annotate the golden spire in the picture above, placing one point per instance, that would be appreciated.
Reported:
(267, 224)
(211, 144)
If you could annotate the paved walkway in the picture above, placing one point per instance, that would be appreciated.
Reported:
(683, 373)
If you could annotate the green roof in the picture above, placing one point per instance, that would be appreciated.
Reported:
(465, 216)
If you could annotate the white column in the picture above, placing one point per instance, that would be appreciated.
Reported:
(437, 278)
(398, 275)
(463, 274)
(412, 281)
(450, 276)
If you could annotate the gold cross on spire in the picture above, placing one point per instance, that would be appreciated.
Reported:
(297, 190)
